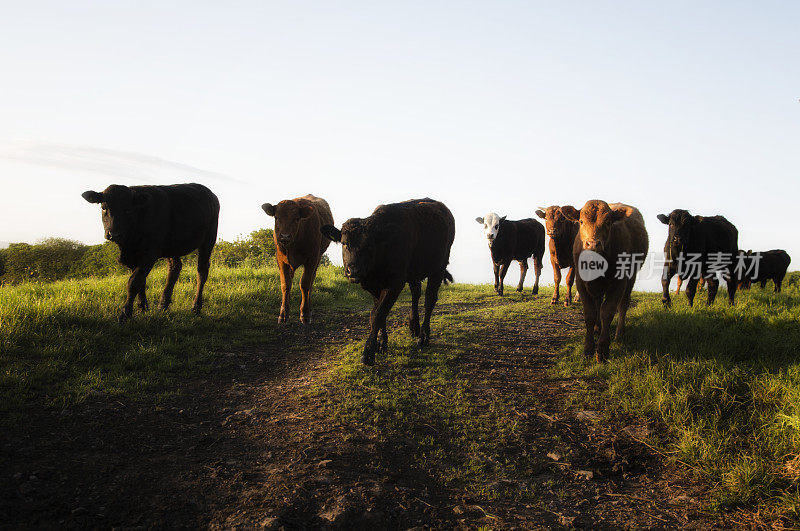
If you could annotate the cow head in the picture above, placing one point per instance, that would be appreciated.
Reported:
(362, 243)
(121, 208)
(595, 221)
(555, 222)
(680, 224)
(491, 225)
(288, 215)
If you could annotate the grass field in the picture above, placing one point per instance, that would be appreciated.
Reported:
(719, 386)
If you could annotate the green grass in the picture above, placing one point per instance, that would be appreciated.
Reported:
(418, 404)
(60, 342)
(721, 385)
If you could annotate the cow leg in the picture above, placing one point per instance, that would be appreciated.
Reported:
(413, 320)
(383, 304)
(143, 298)
(590, 317)
(691, 289)
(306, 283)
(732, 285)
(523, 270)
(763, 284)
(570, 281)
(496, 268)
(203, 265)
(700, 284)
(383, 343)
(713, 286)
(175, 266)
(136, 283)
(503, 271)
(624, 304)
(665, 279)
(608, 308)
(778, 281)
(537, 269)
(287, 276)
(431, 296)
(556, 282)
(678, 288)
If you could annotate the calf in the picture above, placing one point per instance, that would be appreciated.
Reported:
(299, 242)
(152, 222)
(613, 235)
(761, 267)
(513, 240)
(562, 232)
(699, 247)
(398, 244)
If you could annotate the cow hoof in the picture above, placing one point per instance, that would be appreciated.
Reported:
(535, 290)
(305, 318)
(281, 318)
(667, 303)
(122, 318)
(519, 288)
(196, 310)
(413, 328)
(368, 358)
(567, 303)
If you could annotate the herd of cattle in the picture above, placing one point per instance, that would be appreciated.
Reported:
(408, 242)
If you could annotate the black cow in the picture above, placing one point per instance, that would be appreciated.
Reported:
(152, 222)
(513, 240)
(699, 247)
(761, 267)
(398, 244)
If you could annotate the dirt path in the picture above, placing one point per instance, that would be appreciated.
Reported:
(252, 448)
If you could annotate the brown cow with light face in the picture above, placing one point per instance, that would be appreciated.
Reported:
(562, 232)
(612, 235)
(299, 242)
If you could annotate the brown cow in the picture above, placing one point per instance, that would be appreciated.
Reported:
(299, 242)
(562, 234)
(613, 236)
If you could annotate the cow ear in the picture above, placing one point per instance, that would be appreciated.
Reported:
(92, 197)
(663, 219)
(269, 209)
(306, 211)
(570, 212)
(330, 232)
(503, 218)
(541, 214)
(478, 219)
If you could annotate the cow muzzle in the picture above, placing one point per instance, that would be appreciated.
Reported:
(111, 236)
(593, 245)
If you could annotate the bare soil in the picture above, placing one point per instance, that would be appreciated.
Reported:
(251, 448)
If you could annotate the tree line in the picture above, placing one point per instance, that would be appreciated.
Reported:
(60, 258)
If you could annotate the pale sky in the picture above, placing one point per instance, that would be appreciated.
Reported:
(501, 106)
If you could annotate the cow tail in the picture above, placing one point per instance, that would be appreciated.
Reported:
(447, 277)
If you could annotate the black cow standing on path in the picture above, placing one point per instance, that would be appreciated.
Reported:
(513, 240)
(711, 242)
(399, 243)
(152, 222)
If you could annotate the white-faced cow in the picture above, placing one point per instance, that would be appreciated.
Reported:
(513, 240)
(399, 243)
(562, 232)
(152, 222)
(299, 242)
(609, 250)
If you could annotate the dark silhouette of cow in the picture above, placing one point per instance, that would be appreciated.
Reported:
(761, 267)
(399, 243)
(614, 234)
(513, 240)
(699, 247)
(299, 242)
(152, 222)
(562, 232)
